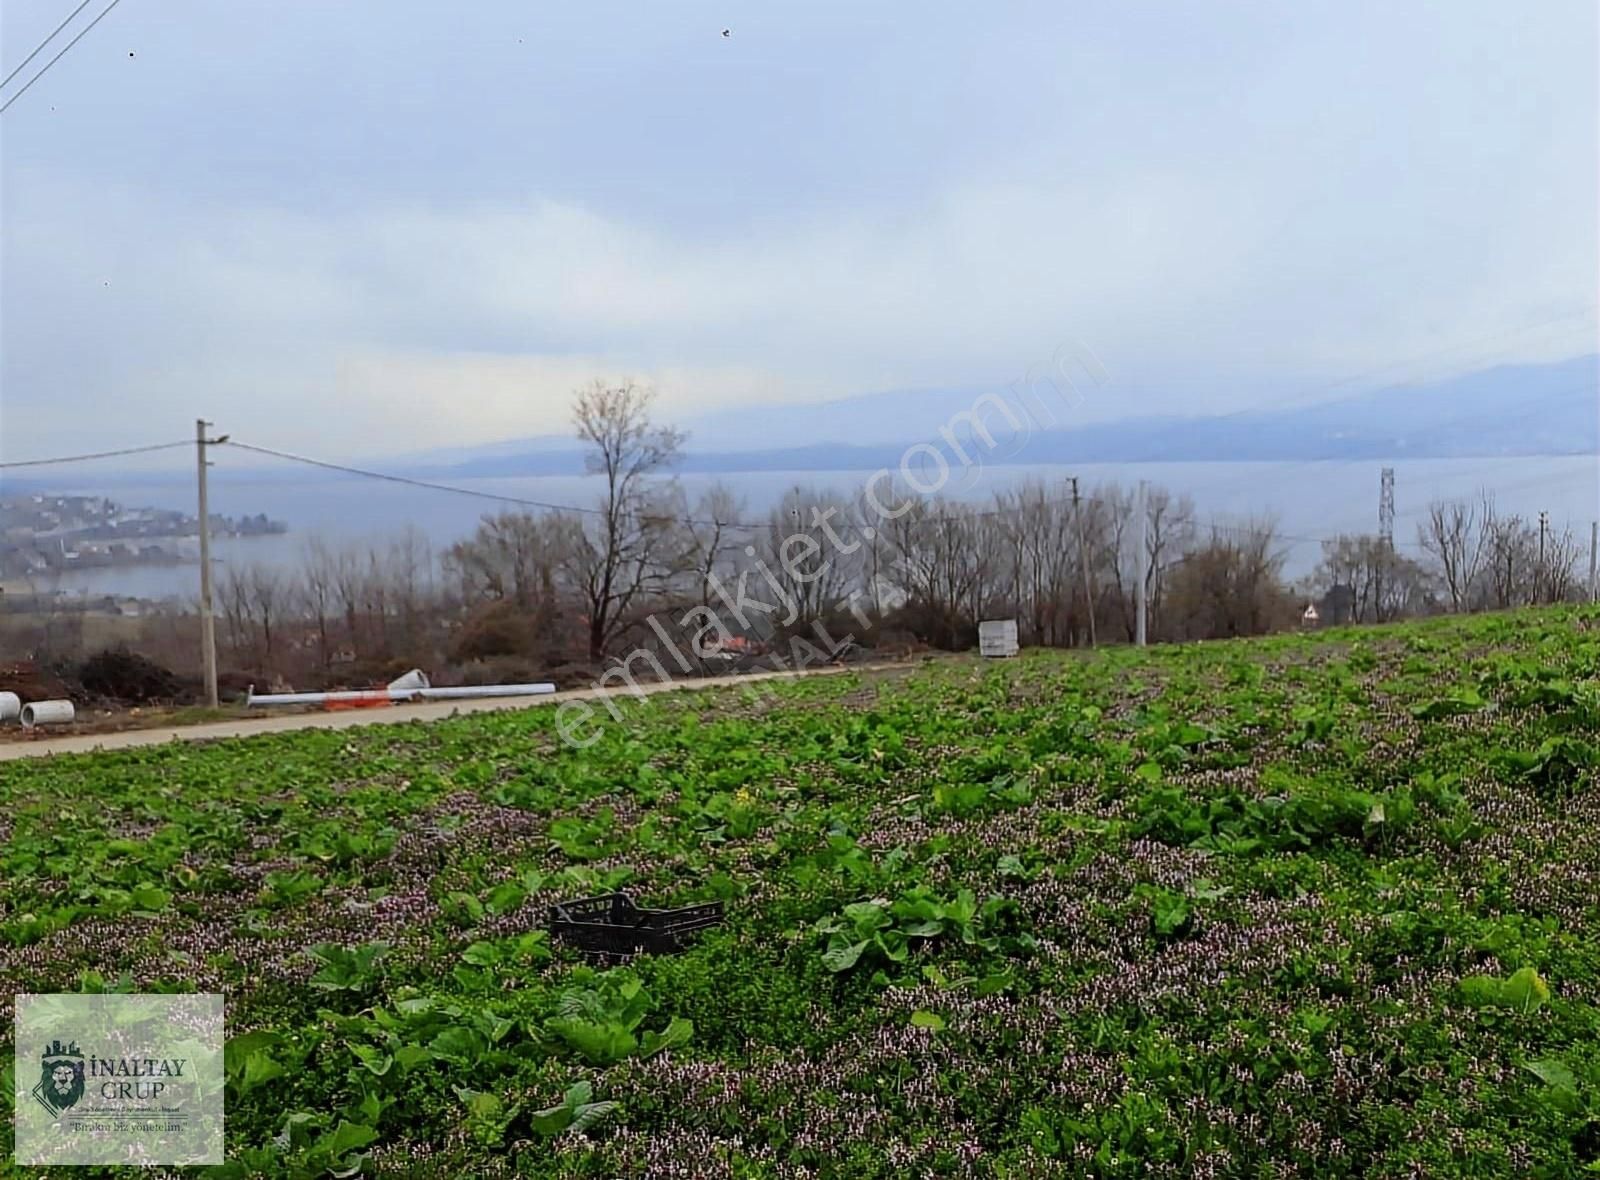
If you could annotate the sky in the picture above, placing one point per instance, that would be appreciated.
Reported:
(371, 228)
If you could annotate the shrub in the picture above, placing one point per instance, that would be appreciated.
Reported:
(127, 677)
(498, 670)
(498, 629)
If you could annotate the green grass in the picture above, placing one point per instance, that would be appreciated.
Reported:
(1324, 905)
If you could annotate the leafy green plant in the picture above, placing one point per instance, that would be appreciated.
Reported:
(252, 1060)
(1171, 912)
(303, 1150)
(283, 887)
(587, 839)
(346, 969)
(488, 1116)
(342, 846)
(884, 931)
(1521, 991)
(575, 1112)
(1555, 765)
(1561, 1084)
(1456, 704)
(602, 1020)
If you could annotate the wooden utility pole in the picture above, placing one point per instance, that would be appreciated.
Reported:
(1140, 589)
(208, 633)
(1083, 559)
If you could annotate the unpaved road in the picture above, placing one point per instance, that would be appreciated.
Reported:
(393, 715)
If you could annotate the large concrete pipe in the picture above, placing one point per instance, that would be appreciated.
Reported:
(46, 713)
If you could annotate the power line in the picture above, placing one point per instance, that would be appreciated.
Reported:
(549, 506)
(96, 455)
(46, 68)
(457, 490)
(475, 493)
(1247, 530)
(1213, 525)
(56, 32)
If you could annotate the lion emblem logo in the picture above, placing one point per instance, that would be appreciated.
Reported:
(60, 1078)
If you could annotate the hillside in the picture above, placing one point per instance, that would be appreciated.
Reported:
(1547, 409)
(1308, 905)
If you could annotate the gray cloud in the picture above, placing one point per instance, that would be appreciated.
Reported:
(1303, 205)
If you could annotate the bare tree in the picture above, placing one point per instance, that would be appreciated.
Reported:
(410, 562)
(318, 571)
(514, 557)
(1384, 585)
(1044, 577)
(1511, 562)
(1231, 585)
(1352, 562)
(875, 557)
(633, 547)
(375, 600)
(1125, 565)
(715, 537)
(1453, 535)
(936, 564)
(1169, 533)
(350, 590)
(233, 599)
(1559, 571)
(808, 556)
(254, 599)
(268, 599)
(57, 631)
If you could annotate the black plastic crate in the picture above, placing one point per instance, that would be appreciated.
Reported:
(612, 925)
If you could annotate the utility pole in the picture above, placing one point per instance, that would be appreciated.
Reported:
(1083, 559)
(1594, 544)
(1140, 589)
(1539, 578)
(208, 633)
(1385, 538)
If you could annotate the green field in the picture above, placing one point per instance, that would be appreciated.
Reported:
(1324, 906)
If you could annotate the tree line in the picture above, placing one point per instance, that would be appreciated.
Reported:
(645, 565)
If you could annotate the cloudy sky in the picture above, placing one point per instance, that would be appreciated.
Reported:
(362, 228)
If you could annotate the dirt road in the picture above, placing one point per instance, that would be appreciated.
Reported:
(394, 715)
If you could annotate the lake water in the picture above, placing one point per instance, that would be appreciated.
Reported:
(1309, 499)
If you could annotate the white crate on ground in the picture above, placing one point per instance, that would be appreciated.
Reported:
(997, 637)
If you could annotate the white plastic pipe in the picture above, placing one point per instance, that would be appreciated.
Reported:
(47, 713)
(483, 690)
(363, 696)
(398, 694)
(10, 706)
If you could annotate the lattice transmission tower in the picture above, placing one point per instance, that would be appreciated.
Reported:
(1386, 508)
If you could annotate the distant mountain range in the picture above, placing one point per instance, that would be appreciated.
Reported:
(1551, 409)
